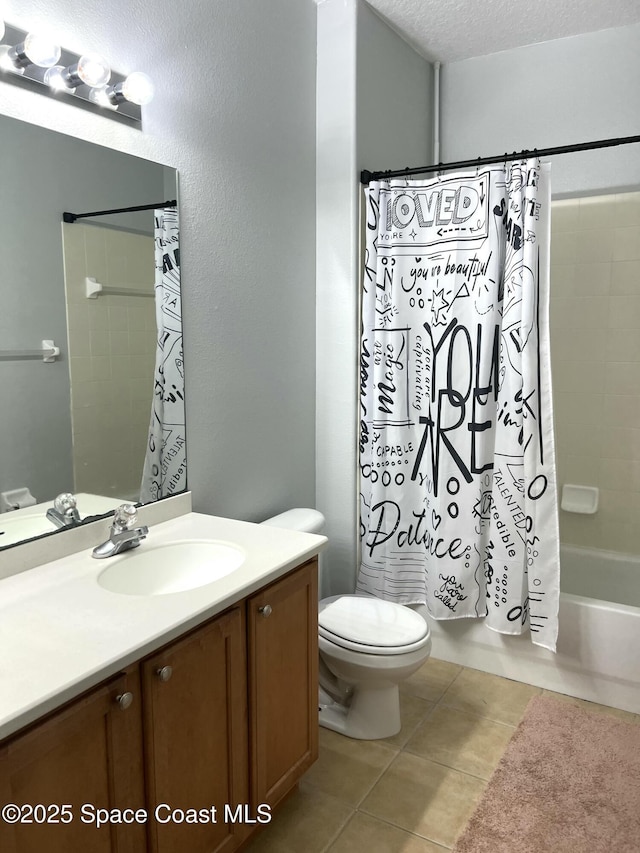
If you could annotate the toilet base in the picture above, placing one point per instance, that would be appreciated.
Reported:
(373, 713)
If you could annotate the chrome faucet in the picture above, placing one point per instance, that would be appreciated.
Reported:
(64, 512)
(123, 535)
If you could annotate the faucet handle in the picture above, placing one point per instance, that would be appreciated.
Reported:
(125, 517)
(65, 503)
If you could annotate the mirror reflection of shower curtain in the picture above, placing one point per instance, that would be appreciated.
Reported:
(457, 467)
(165, 468)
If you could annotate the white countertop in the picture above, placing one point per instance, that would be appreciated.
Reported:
(62, 633)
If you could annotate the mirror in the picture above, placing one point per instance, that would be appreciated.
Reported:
(78, 420)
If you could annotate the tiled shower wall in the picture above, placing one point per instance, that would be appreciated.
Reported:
(595, 358)
(111, 357)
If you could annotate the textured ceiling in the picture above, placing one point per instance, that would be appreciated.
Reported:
(449, 30)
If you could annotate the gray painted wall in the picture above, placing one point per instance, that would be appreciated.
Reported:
(44, 174)
(374, 111)
(394, 92)
(555, 93)
(234, 112)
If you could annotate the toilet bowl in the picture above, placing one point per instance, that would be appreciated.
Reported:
(367, 648)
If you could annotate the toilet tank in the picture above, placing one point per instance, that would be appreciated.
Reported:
(302, 519)
(306, 521)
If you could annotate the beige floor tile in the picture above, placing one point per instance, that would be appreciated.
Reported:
(364, 832)
(462, 741)
(412, 711)
(431, 680)
(424, 798)
(309, 820)
(347, 768)
(628, 716)
(489, 696)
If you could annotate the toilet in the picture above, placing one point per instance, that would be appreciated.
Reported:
(367, 647)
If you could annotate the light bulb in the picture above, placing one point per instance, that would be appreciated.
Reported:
(100, 97)
(93, 70)
(54, 79)
(41, 50)
(35, 50)
(138, 88)
(6, 61)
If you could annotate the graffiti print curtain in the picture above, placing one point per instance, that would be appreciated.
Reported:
(457, 469)
(165, 467)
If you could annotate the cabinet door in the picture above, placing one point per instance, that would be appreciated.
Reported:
(85, 756)
(195, 722)
(283, 683)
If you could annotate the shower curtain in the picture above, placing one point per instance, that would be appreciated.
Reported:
(458, 505)
(165, 468)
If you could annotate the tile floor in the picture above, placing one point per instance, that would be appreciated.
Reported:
(414, 792)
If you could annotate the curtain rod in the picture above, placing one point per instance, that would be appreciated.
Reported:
(366, 176)
(71, 217)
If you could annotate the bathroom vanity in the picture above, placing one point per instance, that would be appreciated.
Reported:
(200, 718)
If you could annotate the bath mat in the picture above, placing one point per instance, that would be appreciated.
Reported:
(569, 782)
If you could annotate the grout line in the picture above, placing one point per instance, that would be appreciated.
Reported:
(441, 701)
(339, 831)
(396, 753)
(455, 769)
(421, 719)
(404, 829)
(481, 716)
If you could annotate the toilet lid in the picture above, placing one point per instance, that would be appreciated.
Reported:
(368, 621)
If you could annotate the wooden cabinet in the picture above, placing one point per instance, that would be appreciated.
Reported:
(283, 683)
(225, 716)
(195, 730)
(87, 754)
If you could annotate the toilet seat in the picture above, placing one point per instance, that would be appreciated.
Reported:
(370, 625)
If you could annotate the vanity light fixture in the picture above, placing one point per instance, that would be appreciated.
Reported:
(31, 58)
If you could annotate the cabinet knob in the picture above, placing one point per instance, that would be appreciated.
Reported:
(164, 673)
(265, 610)
(124, 700)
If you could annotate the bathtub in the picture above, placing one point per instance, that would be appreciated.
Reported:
(598, 651)
(604, 575)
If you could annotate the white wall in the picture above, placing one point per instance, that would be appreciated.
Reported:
(559, 92)
(234, 112)
(374, 112)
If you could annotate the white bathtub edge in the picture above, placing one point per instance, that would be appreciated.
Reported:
(595, 659)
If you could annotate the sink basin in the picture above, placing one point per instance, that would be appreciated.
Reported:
(170, 568)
